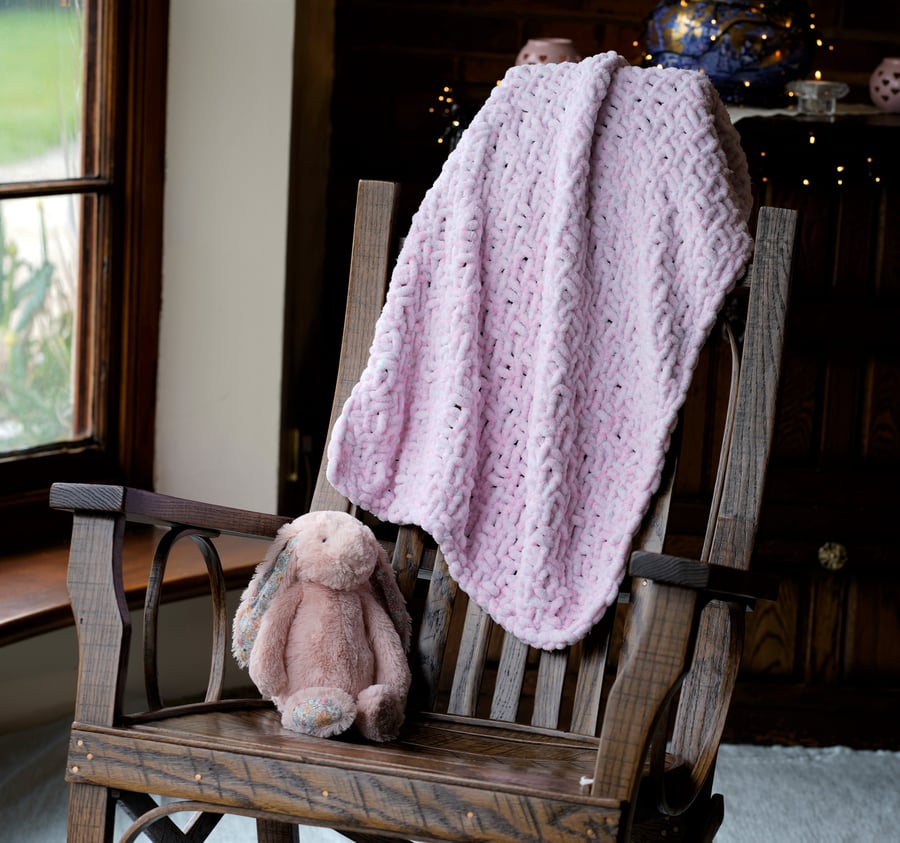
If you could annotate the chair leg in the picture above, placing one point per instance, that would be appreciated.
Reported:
(268, 831)
(91, 814)
(714, 819)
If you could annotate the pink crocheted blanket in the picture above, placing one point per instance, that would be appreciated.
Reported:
(540, 330)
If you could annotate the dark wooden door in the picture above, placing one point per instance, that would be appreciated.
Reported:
(823, 664)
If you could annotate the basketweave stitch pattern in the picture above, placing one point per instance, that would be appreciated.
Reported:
(540, 330)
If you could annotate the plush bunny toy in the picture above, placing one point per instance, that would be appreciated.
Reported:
(324, 629)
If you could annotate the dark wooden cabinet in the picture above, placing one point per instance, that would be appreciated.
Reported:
(822, 665)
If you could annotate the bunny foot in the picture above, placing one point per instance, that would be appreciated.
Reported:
(321, 712)
(379, 713)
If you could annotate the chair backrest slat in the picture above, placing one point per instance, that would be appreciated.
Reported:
(754, 421)
(652, 533)
(434, 631)
(549, 690)
(591, 672)
(376, 207)
(470, 661)
(510, 677)
(407, 558)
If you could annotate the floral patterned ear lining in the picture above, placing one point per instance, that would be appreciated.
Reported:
(255, 602)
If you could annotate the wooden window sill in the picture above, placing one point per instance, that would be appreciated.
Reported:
(34, 598)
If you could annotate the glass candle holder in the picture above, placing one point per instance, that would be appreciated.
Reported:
(817, 96)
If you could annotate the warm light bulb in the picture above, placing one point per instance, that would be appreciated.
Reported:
(818, 75)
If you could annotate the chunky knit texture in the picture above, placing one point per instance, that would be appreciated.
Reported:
(540, 330)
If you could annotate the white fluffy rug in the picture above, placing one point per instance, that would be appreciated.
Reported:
(799, 795)
(772, 794)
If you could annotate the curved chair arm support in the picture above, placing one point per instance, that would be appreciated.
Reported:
(96, 587)
(697, 716)
(727, 593)
(202, 539)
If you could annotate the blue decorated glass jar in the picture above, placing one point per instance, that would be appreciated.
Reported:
(749, 48)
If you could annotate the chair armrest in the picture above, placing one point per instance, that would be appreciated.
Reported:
(97, 592)
(718, 580)
(150, 508)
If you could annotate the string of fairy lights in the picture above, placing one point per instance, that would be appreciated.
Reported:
(837, 168)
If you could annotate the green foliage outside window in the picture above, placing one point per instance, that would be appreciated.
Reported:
(40, 56)
(35, 350)
(40, 116)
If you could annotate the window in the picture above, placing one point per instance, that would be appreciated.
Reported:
(42, 86)
(82, 107)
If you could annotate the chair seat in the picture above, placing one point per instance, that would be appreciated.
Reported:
(485, 780)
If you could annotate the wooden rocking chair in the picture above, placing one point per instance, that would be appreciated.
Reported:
(615, 740)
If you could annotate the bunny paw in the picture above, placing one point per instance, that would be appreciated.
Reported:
(380, 714)
(321, 712)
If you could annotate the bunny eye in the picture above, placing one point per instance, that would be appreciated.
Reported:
(325, 540)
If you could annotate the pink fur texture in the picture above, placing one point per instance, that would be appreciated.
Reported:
(328, 641)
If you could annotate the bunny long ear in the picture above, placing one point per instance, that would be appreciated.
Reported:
(384, 583)
(266, 581)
